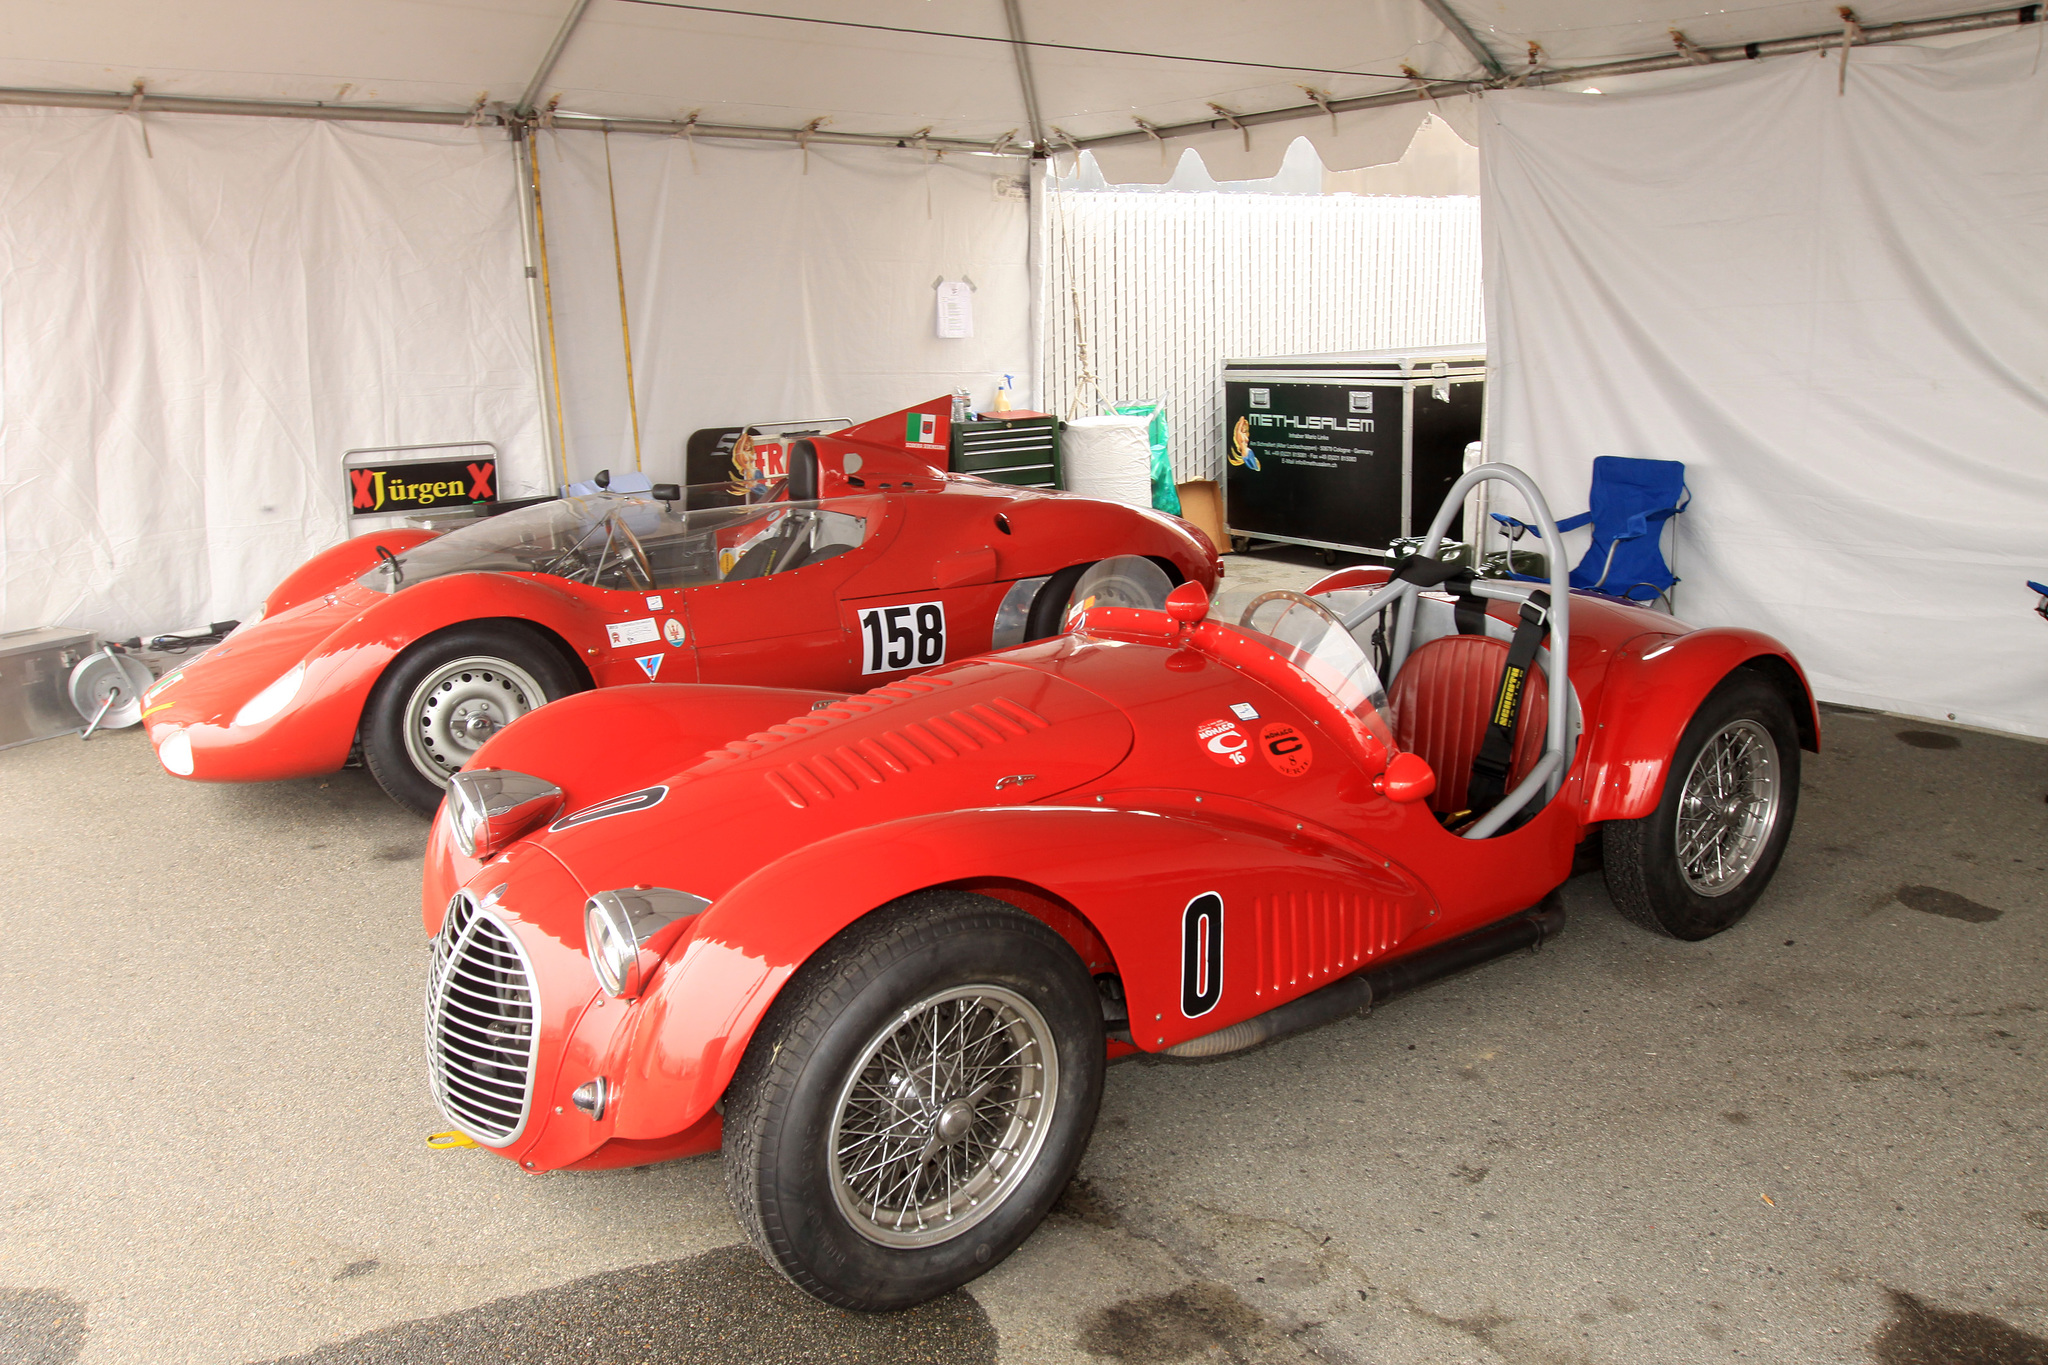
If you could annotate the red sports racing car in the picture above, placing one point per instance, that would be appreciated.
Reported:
(879, 947)
(864, 564)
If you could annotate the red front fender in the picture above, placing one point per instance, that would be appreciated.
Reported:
(1126, 873)
(1654, 685)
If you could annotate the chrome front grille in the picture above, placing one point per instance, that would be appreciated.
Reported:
(483, 1024)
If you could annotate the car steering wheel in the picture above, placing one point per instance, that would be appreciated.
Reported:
(1245, 620)
(641, 563)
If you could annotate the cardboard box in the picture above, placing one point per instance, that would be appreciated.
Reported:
(1202, 503)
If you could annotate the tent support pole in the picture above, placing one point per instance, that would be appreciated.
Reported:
(547, 63)
(522, 140)
(1462, 31)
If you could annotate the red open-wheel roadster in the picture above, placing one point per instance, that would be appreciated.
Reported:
(880, 946)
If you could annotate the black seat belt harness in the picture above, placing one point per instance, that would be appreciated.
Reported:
(1468, 610)
(1497, 751)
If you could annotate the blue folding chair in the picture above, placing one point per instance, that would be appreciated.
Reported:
(2042, 605)
(1630, 501)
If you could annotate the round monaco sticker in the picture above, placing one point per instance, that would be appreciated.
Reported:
(1223, 741)
(1287, 749)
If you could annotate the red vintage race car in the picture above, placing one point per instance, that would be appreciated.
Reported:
(855, 561)
(880, 946)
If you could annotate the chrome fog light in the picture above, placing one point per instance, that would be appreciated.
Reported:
(488, 808)
(593, 1097)
(626, 932)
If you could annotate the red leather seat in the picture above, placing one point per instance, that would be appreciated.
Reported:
(1442, 697)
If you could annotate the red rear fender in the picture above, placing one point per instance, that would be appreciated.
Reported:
(337, 566)
(1654, 685)
(1126, 878)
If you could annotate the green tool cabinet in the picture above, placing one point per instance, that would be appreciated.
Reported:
(1021, 451)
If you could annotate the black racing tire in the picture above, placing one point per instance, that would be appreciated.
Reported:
(820, 1056)
(1702, 893)
(1048, 614)
(491, 673)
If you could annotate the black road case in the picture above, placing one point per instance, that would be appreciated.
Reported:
(1347, 451)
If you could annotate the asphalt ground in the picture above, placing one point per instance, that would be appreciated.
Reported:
(1818, 1137)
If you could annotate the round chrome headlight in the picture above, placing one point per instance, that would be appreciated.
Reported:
(488, 808)
(626, 932)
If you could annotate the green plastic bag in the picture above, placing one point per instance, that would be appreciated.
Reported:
(1165, 496)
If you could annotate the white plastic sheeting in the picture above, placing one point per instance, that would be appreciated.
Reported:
(764, 283)
(1109, 457)
(192, 331)
(1817, 301)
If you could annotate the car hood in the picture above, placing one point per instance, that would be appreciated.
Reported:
(211, 688)
(975, 735)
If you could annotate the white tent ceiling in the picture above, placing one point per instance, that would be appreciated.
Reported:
(954, 71)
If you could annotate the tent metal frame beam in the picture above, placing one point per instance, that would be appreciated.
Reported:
(129, 101)
(2010, 17)
(554, 54)
(1462, 31)
(1014, 14)
(496, 116)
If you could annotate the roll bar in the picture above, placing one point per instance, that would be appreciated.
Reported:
(1400, 597)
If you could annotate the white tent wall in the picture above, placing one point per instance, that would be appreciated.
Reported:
(194, 326)
(1819, 302)
(761, 289)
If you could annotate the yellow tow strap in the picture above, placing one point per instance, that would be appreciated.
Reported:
(448, 1141)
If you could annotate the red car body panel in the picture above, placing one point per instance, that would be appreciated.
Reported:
(952, 539)
(1069, 777)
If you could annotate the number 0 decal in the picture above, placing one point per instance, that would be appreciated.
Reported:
(909, 636)
(1201, 955)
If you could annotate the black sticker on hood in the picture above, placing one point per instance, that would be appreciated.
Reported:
(618, 805)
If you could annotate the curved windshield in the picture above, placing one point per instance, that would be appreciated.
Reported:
(1307, 634)
(611, 540)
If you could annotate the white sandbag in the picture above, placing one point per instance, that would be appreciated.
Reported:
(1109, 457)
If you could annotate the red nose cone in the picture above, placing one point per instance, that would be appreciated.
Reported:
(1188, 603)
(1407, 778)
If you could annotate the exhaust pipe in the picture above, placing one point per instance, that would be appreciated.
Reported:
(1359, 992)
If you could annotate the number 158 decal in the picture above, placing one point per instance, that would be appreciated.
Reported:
(910, 636)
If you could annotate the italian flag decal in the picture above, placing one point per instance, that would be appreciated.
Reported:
(921, 428)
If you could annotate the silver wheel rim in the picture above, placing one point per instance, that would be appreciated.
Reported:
(943, 1115)
(1728, 808)
(460, 705)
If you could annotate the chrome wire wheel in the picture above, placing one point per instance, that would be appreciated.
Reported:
(1728, 808)
(460, 705)
(943, 1115)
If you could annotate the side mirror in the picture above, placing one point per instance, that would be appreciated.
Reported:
(1188, 603)
(1407, 778)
